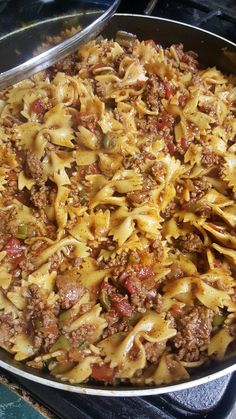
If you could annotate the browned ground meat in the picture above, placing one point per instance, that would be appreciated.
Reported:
(194, 330)
(210, 158)
(83, 333)
(176, 272)
(33, 166)
(138, 197)
(191, 243)
(9, 327)
(169, 210)
(158, 171)
(69, 290)
(162, 124)
(157, 248)
(39, 196)
(68, 65)
(141, 196)
(154, 350)
(115, 324)
(40, 320)
(200, 187)
(154, 91)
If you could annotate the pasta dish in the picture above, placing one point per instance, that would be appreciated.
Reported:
(118, 215)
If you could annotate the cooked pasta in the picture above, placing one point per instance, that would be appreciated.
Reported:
(118, 215)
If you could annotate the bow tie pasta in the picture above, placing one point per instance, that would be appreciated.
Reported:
(118, 215)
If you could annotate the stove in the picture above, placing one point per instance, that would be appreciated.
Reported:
(216, 399)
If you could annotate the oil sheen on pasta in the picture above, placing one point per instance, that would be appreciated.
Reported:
(118, 215)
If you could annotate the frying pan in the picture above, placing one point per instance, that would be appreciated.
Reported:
(213, 50)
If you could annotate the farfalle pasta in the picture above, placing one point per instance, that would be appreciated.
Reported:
(118, 215)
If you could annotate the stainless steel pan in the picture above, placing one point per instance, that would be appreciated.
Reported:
(212, 50)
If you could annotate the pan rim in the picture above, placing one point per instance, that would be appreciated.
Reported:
(135, 392)
(179, 23)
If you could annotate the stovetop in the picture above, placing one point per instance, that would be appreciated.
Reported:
(216, 399)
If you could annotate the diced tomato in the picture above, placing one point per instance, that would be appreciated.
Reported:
(171, 148)
(184, 144)
(182, 100)
(139, 85)
(132, 285)
(217, 262)
(123, 277)
(37, 107)
(151, 43)
(15, 252)
(121, 305)
(76, 355)
(103, 373)
(49, 330)
(63, 358)
(143, 272)
(168, 89)
(176, 309)
(188, 59)
(164, 121)
(13, 247)
(12, 176)
(104, 286)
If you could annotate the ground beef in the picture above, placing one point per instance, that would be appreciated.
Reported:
(68, 65)
(69, 290)
(9, 327)
(191, 243)
(6, 218)
(26, 265)
(39, 196)
(115, 324)
(199, 188)
(33, 167)
(210, 158)
(138, 161)
(40, 320)
(83, 333)
(157, 248)
(11, 120)
(12, 184)
(116, 260)
(162, 124)
(175, 272)
(169, 210)
(194, 330)
(154, 91)
(158, 171)
(154, 350)
(141, 196)
(138, 197)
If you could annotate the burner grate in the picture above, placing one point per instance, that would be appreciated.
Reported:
(227, 8)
